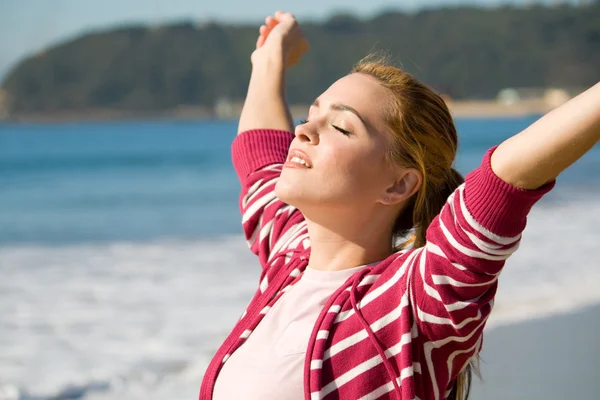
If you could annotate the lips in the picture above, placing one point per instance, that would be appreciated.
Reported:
(298, 159)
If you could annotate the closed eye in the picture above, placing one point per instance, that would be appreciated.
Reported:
(345, 132)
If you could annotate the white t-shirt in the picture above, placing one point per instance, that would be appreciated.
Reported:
(270, 364)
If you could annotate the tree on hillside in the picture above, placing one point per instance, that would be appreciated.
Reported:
(463, 52)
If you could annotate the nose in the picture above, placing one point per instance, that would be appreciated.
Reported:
(307, 133)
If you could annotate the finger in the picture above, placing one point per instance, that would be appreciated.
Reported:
(265, 32)
(262, 29)
(280, 15)
(271, 22)
(260, 41)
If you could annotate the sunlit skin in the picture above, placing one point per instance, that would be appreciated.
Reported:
(351, 197)
(349, 193)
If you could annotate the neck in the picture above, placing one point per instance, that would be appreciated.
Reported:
(338, 245)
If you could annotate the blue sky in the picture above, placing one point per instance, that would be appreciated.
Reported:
(27, 26)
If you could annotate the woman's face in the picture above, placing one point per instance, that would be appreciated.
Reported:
(337, 159)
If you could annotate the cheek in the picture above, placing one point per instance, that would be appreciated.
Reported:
(345, 175)
(355, 170)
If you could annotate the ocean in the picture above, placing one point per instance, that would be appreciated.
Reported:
(122, 265)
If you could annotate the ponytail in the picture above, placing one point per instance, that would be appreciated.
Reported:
(462, 385)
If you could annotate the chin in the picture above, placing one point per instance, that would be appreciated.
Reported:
(297, 193)
(286, 192)
(304, 196)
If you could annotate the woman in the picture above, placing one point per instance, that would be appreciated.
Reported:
(341, 312)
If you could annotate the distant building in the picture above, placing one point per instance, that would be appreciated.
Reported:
(519, 95)
(556, 97)
(551, 97)
(225, 108)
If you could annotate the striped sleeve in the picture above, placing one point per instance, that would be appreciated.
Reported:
(454, 278)
(270, 225)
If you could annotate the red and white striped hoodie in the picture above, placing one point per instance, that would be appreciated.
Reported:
(403, 328)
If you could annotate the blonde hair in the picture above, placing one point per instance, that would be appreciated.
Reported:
(422, 136)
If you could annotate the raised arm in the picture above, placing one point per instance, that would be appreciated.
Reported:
(280, 45)
(453, 279)
(481, 224)
(541, 152)
(265, 129)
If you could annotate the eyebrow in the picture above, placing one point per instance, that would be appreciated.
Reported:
(342, 107)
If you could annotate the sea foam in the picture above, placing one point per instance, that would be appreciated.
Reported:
(132, 320)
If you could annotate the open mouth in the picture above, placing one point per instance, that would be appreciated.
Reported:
(298, 159)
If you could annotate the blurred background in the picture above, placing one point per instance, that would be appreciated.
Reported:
(122, 265)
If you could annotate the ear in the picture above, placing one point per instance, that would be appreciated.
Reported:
(407, 183)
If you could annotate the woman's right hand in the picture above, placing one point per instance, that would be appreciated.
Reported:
(280, 38)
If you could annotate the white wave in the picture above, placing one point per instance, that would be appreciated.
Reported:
(141, 321)
(557, 267)
(133, 315)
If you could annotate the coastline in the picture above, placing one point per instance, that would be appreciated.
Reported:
(547, 358)
(459, 109)
(494, 109)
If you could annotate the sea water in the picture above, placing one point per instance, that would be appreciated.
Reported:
(122, 265)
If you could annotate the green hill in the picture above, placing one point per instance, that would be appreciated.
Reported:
(463, 52)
